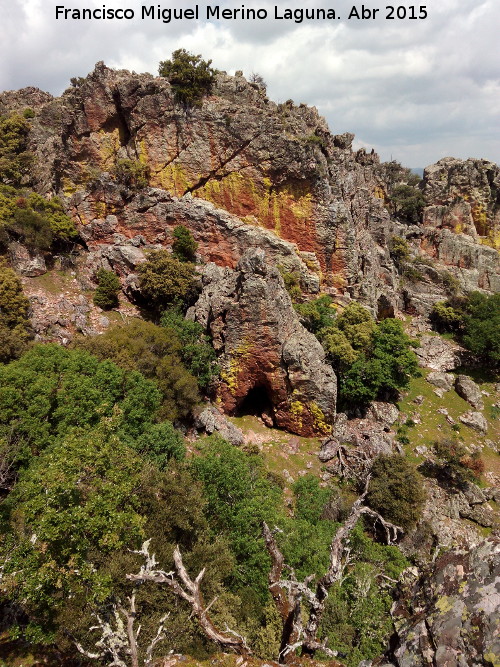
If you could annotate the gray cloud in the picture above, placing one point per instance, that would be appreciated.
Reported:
(414, 90)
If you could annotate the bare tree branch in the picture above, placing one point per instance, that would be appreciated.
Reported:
(189, 590)
(288, 594)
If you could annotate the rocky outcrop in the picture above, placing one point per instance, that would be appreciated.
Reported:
(438, 354)
(475, 420)
(463, 219)
(450, 618)
(270, 363)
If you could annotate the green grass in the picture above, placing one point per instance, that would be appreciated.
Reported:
(434, 425)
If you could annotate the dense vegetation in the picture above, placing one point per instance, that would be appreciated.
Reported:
(87, 434)
(475, 321)
(14, 309)
(372, 360)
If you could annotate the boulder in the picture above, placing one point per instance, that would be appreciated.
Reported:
(211, 420)
(438, 354)
(474, 420)
(441, 380)
(26, 263)
(469, 391)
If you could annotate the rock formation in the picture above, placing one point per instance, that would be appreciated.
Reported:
(451, 617)
(269, 362)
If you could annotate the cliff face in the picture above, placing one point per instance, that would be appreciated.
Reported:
(241, 171)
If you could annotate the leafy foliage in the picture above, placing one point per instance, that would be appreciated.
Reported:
(196, 352)
(156, 353)
(184, 246)
(166, 281)
(14, 322)
(396, 490)
(316, 314)
(15, 159)
(455, 465)
(160, 443)
(106, 294)
(239, 498)
(372, 360)
(37, 222)
(408, 202)
(475, 319)
(132, 174)
(51, 390)
(190, 76)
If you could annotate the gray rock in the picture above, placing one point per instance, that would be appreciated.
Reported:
(474, 420)
(212, 420)
(26, 263)
(451, 617)
(441, 380)
(438, 354)
(469, 391)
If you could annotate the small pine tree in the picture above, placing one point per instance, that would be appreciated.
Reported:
(106, 294)
(190, 76)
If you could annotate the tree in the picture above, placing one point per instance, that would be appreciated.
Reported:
(184, 246)
(396, 490)
(15, 159)
(190, 76)
(408, 202)
(156, 353)
(165, 281)
(132, 173)
(106, 294)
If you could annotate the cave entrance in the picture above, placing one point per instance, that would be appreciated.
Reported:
(258, 404)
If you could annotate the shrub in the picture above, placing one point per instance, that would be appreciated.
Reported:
(165, 281)
(399, 250)
(396, 490)
(15, 328)
(408, 202)
(35, 221)
(156, 353)
(160, 443)
(106, 294)
(190, 76)
(455, 465)
(184, 246)
(316, 314)
(197, 353)
(444, 317)
(15, 160)
(132, 173)
(292, 283)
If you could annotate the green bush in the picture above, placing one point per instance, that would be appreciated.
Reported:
(15, 159)
(408, 202)
(51, 390)
(160, 443)
(106, 294)
(37, 222)
(190, 76)
(165, 281)
(132, 173)
(399, 250)
(184, 246)
(396, 490)
(316, 314)
(455, 465)
(156, 353)
(15, 330)
(196, 352)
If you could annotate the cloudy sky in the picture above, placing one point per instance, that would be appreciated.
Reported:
(415, 90)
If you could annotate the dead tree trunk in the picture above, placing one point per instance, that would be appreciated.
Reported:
(288, 594)
(189, 590)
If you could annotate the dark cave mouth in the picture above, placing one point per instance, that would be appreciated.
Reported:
(257, 404)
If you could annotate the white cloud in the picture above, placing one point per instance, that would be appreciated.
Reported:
(414, 90)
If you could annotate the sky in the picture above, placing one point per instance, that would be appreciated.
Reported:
(415, 90)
